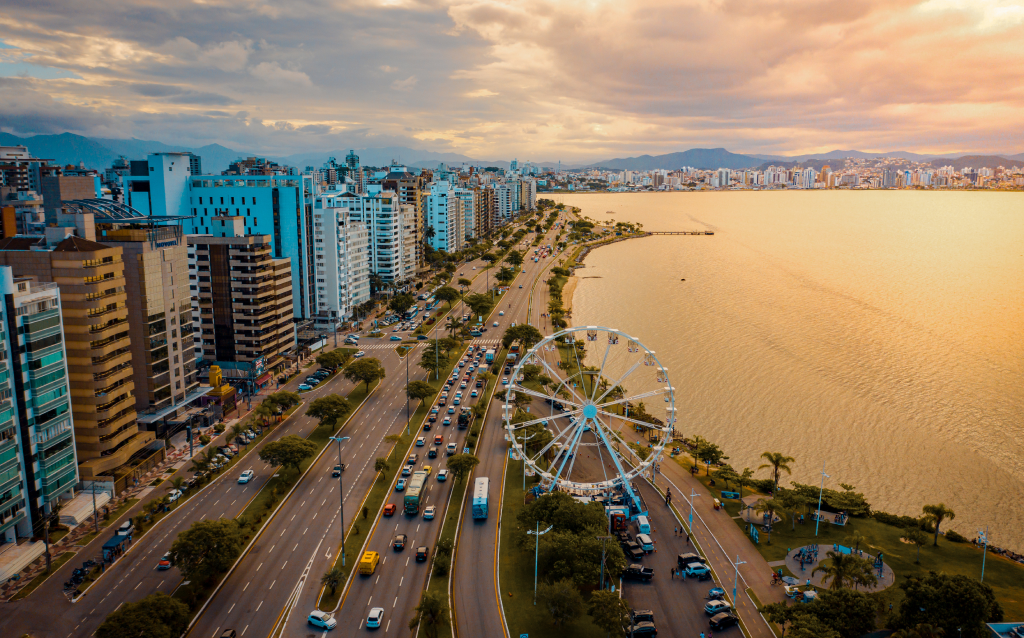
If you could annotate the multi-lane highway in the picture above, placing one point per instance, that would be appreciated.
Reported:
(48, 612)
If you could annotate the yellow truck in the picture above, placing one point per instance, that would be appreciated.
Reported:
(368, 563)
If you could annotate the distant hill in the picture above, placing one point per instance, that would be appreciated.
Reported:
(703, 158)
(66, 148)
(978, 161)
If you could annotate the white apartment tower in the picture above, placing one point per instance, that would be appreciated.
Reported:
(341, 248)
(442, 212)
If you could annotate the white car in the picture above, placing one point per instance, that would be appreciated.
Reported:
(504, 381)
(360, 354)
(428, 514)
(174, 495)
(501, 313)
(322, 619)
(375, 619)
(246, 476)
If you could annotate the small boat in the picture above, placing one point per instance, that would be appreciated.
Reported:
(682, 280)
(709, 232)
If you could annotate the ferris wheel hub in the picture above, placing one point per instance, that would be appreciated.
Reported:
(590, 411)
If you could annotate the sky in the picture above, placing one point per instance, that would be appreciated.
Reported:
(541, 80)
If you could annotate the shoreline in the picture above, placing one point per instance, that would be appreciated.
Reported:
(568, 290)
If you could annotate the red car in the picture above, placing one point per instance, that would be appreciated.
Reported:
(438, 439)
(389, 509)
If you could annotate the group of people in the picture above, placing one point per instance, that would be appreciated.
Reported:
(806, 556)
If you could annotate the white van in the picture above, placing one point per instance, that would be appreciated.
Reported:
(645, 542)
(643, 526)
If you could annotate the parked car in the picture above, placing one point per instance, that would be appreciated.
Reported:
(174, 495)
(638, 572)
(722, 621)
(305, 387)
(715, 607)
(695, 570)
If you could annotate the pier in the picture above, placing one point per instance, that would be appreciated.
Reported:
(680, 232)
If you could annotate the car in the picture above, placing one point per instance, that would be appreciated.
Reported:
(359, 354)
(685, 559)
(389, 509)
(429, 512)
(504, 381)
(495, 324)
(432, 454)
(513, 325)
(336, 472)
(716, 593)
(642, 615)
(406, 471)
(722, 621)
(451, 409)
(422, 552)
(313, 381)
(434, 410)
(395, 338)
(447, 421)
(421, 441)
(165, 562)
(438, 439)
(462, 385)
(422, 337)
(638, 572)
(520, 285)
(322, 619)
(375, 618)
(412, 459)
(174, 495)
(501, 313)
(442, 475)
(228, 633)
(426, 426)
(473, 394)
(479, 383)
(400, 485)
(715, 607)
(399, 543)
(305, 387)
(696, 570)
(643, 629)
(246, 476)
(428, 468)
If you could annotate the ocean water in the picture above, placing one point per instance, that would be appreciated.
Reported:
(879, 334)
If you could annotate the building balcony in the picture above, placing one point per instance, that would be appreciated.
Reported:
(101, 465)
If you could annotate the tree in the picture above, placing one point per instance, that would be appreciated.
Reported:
(771, 508)
(609, 612)
(515, 258)
(479, 304)
(420, 390)
(958, 605)
(465, 283)
(433, 361)
(155, 616)
(365, 371)
(709, 453)
(283, 400)
(726, 475)
(381, 465)
(746, 478)
(779, 613)
(921, 631)
(401, 302)
(916, 537)
(794, 503)
(461, 465)
(334, 359)
(332, 578)
(176, 483)
(288, 452)
(531, 372)
(809, 626)
(432, 612)
(562, 600)
(778, 462)
(849, 613)
(447, 294)
(329, 410)
(525, 334)
(936, 514)
(207, 548)
(840, 569)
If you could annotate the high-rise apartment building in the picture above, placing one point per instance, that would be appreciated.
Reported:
(94, 309)
(37, 445)
(470, 207)
(443, 216)
(342, 251)
(243, 301)
(392, 249)
(409, 187)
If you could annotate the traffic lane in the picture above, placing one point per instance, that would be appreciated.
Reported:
(264, 580)
(388, 581)
(676, 605)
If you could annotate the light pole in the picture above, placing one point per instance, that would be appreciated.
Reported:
(736, 577)
(603, 540)
(341, 495)
(536, 557)
(984, 550)
(693, 495)
(817, 515)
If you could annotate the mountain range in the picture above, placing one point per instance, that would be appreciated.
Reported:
(68, 148)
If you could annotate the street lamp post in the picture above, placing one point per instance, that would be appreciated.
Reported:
(821, 490)
(984, 550)
(603, 540)
(341, 496)
(736, 577)
(536, 557)
(693, 495)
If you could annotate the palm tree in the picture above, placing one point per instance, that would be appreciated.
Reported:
(937, 514)
(840, 569)
(745, 478)
(381, 465)
(778, 462)
(264, 412)
(332, 578)
(770, 507)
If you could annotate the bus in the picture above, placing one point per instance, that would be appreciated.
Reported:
(432, 303)
(480, 498)
(513, 353)
(411, 312)
(413, 491)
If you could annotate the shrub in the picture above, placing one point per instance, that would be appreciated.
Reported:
(955, 537)
(219, 428)
(896, 521)
(205, 439)
(440, 567)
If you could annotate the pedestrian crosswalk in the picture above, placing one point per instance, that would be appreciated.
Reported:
(486, 342)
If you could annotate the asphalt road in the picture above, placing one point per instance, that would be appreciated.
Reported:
(475, 598)
(48, 612)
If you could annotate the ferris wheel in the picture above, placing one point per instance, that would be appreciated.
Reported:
(576, 439)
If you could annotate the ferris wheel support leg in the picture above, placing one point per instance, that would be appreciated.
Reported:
(626, 487)
(570, 451)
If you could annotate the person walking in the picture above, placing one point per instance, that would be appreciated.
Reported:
(675, 531)
(687, 539)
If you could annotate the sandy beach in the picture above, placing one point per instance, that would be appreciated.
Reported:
(567, 292)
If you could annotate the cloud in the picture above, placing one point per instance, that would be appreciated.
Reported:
(179, 95)
(226, 56)
(405, 85)
(272, 73)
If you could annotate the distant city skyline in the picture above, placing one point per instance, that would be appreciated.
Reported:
(535, 79)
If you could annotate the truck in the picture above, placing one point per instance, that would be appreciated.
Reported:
(465, 418)
(618, 516)
(489, 357)
(638, 572)
(368, 563)
(413, 491)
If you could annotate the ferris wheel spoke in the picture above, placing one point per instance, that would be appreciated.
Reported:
(618, 383)
(650, 426)
(600, 371)
(564, 382)
(541, 395)
(519, 426)
(644, 395)
(550, 443)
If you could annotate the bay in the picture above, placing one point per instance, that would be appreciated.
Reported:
(879, 334)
